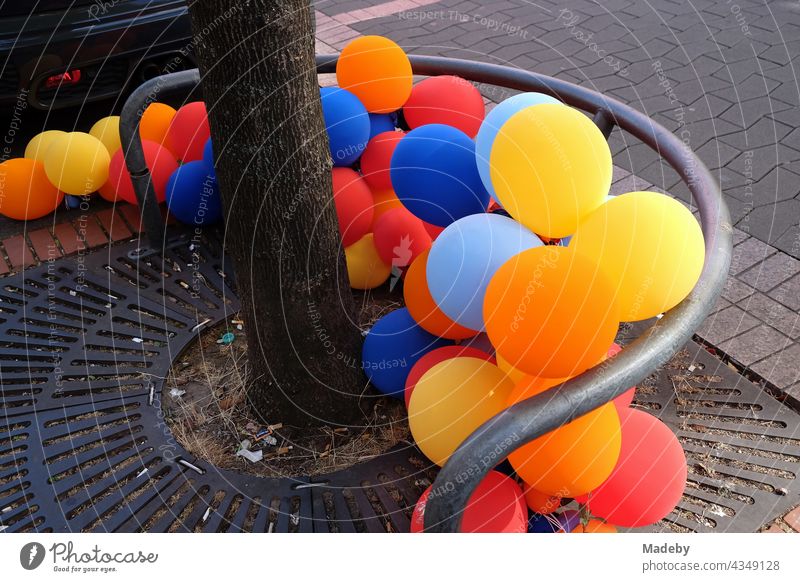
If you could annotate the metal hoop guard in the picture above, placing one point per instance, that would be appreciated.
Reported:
(531, 418)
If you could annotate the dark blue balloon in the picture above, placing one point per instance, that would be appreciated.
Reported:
(380, 123)
(193, 195)
(208, 156)
(435, 175)
(392, 347)
(348, 125)
(566, 520)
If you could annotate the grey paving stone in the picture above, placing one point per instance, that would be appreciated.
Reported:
(735, 291)
(726, 324)
(771, 272)
(763, 132)
(773, 314)
(739, 236)
(789, 241)
(788, 293)
(757, 163)
(748, 253)
(755, 344)
(781, 369)
(769, 222)
(716, 153)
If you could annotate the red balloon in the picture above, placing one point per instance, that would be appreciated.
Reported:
(189, 131)
(160, 162)
(624, 400)
(436, 356)
(496, 506)
(353, 200)
(433, 230)
(448, 100)
(400, 237)
(650, 475)
(377, 157)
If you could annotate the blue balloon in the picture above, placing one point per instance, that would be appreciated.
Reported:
(348, 125)
(566, 520)
(193, 194)
(434, 174)
(479, 342)
(492, 124)
(465, 257)
(381, 122)
(208, 153)
(392, 347)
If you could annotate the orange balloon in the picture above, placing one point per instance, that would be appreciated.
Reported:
(25, 191)
(595, 526)
(377, 71)
(423, 308)
(382, 202)
(573, 459)
(550, 312)
(515, 375)
(541, 503)
(155, 123)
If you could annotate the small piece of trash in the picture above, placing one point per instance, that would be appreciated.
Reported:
(226, 339)
(142, 472)
(3, 527)
(244, 451)
(201, 324)
(72, 293)
(782, 491)
(176, 393)
(240, 327)
(692, 368)
(137, 340)
(152, 394)
(5, 509)
(237, 321)
(295, 517)
(206, 514)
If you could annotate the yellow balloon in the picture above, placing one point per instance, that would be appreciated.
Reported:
(107, 131)
(451, 400)
(77, 163)
(513, 374)
(37, 147)
(550, 168)
(364, 266)
(649, 245)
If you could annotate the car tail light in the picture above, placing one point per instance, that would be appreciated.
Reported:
(72, 77)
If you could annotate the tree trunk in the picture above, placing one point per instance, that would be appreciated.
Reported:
(274, 170)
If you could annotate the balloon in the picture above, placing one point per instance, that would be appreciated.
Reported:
(193, 196)
(159, 161)
(492, 124)
(513, 374)
(550, 167)
(446, 100)
(25, 191)
(423, 308)
(400, 237)
(381, 123)
(650, 245)
(541, 503)
(562, 522)
(572, 459)
(649, 478)
(365, 268)
(188, 132)
(549, 312)
(434, 175)
(353, 201)
(377, 158)
(451, 400)
(436, 356)
(155, 123)
(382, 202)
(77, 163)
(496, 506)
(433, 230)
(595, 526)
(37, 147)
(208, 154)
(347, 124)
(480, 342)
(392, 347)
(377, 71)
(464, 259)
(107, 131)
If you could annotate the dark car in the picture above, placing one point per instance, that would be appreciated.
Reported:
(60, 53)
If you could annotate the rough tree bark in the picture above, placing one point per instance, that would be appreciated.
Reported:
(259, 83)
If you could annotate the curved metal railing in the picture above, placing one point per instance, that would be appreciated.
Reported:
(531, 418)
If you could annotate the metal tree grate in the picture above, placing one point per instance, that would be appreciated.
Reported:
(86, 342)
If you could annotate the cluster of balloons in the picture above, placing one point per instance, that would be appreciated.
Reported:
(177, 152)
(518, 268)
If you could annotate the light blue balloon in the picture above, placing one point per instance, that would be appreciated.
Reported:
(492, 124)
(465, 257)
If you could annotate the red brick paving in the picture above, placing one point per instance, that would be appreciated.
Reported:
(66, 235)
(89, 229)
(43, 245)
(19, 255)
(114, 225)
(4, 268)
(131, 215)
(792, 519)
